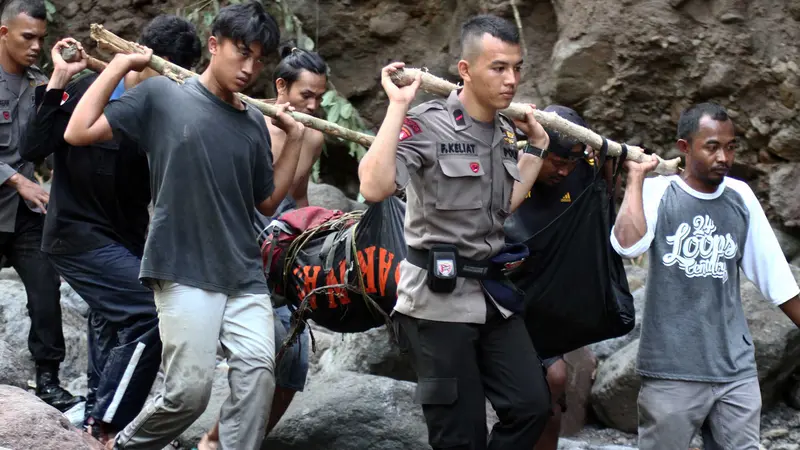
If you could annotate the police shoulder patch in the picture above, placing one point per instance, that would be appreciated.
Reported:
(410, 128)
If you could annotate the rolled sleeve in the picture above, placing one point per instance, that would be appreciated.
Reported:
(6, 172)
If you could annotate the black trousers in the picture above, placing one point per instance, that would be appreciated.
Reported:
(460, 365)
(124, 342)
(22, 248)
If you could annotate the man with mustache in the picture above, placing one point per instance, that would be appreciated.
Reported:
(696, 353)
(23, 27)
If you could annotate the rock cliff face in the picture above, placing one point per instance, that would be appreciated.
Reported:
(630, 66)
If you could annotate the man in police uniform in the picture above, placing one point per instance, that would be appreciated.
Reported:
(454, 309)
(22, 201)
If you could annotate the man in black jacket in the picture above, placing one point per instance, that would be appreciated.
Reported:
(95, 229)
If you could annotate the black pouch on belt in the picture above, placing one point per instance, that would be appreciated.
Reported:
(442, 268)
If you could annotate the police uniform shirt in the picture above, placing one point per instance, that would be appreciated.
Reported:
(17, 108)
(459, 178)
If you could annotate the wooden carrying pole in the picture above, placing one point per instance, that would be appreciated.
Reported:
(430, 83)
(437, 86)
(115, 44)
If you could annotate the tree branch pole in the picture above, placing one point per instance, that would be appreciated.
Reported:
(435, 85)
(70, 54)
(178, 74)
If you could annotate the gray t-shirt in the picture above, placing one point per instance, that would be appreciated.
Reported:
(210, 164)
(693, 325)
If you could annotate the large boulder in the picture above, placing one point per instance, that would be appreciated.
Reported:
(29, 423)
(581, 367)
(616, 389)
(14, 368)
(331, 197)
(784, 184)
(372, 352)
(15, 324)
(351, 411)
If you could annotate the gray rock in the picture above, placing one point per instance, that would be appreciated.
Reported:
(15, 324)
(330, 197)
(790, 244)
(29, 423)
(569, 444)
(580, 68)
(605, 349)
(719, 80)
(776, 340)
(388, 25)
(616, 388)
(372, 352)
(637, 276)
(784, 184)
(350, 411)
(14, 369)
(786, 143)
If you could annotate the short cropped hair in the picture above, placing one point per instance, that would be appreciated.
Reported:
(472, 32)
(33, 8)
(689, 122)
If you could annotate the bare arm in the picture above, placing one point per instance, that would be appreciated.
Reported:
(378, 168)
(312, 150)
(88, 124)
(529, 167)
(631, 224)
(285, 165)
(792, 309)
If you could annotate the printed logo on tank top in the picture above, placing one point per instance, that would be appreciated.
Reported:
(698, 251)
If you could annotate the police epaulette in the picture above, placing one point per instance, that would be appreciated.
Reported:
(427, 106)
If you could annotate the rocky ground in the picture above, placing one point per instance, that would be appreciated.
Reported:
(360, 388)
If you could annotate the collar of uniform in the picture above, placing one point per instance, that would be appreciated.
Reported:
(458, 115)
(461, 120)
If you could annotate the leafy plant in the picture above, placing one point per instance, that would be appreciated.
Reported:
(51, 10)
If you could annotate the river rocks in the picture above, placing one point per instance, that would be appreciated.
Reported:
(616, 388)
(14, 369)
(29, 423)
(15, 324)
(372, 352)
(350, 411)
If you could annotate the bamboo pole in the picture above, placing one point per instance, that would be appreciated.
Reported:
(435, 85)
(176, 73)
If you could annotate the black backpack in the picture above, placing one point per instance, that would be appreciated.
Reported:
(576, 290)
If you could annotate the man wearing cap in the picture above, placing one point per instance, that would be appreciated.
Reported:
(567, 170)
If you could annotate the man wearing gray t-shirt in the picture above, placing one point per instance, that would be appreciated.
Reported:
(696, 353)
(210, 168)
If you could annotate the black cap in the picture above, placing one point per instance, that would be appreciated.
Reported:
(559, 144)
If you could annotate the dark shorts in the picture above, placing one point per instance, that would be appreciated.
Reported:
(551, 360)
(292, 369)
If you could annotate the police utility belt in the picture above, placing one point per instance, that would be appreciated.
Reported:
(444, 266)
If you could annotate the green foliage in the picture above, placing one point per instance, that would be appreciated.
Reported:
(51, 10)
(341, 112)
(337, 108)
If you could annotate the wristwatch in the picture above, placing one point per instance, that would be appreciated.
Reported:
(535, 151)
